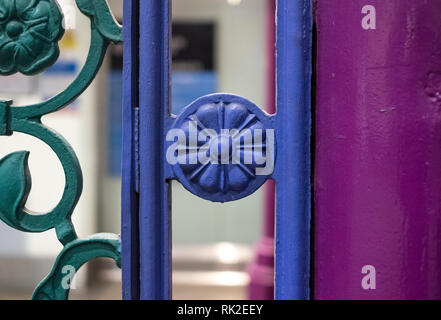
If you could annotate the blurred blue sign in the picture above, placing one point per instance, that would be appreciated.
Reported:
(190, 85)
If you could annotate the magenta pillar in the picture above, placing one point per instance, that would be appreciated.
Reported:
(378, 150)
(261, 270)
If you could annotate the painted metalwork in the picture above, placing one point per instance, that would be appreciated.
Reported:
(75, 254)
(377, 161)
(154, 192)
(29, 32)
(223, 179)
(130, 165)
(29, 35)
(293, 168)
(146, 194)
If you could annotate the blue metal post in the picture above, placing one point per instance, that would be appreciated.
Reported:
(129, 209)
(292, 175)
(154, 211)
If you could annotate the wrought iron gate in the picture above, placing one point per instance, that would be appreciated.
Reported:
(221, 147)
(214, 148)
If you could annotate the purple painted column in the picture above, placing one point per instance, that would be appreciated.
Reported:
(261, 270)
(378, 150)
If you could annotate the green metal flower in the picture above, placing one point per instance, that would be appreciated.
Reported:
(29, 35)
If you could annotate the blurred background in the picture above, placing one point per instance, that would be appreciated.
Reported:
(217, 46)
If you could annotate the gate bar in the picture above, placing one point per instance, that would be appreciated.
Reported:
(292, 175)
(154, 91)
(129, 203)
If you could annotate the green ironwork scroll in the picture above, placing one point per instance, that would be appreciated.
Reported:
(29, 35)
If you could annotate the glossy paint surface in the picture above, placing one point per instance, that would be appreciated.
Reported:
(378, 128)
(154, 201)
(292, 173)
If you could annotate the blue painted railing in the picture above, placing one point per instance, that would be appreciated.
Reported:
(154, 92)
(292, 174)
(129, 209)
(147, 169)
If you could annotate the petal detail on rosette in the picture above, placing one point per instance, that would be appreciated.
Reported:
(237, 178)
(7, 52)
(5, 11)
(210, 179)
(49, 12)
(24, 6)
(235, 115)
(190, 161)
(207, 117)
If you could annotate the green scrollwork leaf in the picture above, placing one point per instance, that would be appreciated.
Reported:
(15, 185)
(29, 35)
(102, 18)
(56, 285)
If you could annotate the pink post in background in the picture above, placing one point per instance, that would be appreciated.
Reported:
(261, 270)
(378, 150)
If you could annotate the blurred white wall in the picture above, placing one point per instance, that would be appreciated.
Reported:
(240, 60)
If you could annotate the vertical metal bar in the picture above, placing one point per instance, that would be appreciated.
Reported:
(129, 204)
(378, 157)
(293, 120)
(154, 216)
